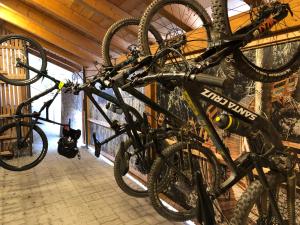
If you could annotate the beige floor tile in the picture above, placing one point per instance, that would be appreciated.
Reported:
(60, 191)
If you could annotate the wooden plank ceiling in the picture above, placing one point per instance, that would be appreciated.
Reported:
(72, 30)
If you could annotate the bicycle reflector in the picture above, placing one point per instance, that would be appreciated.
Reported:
(67, 145)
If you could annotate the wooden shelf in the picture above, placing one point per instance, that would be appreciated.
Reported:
(5, 153)
(292, 145)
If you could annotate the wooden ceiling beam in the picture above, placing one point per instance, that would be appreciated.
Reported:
(76, 21)
(30, 26)
(69, 16)
(43, 33)
(71, 60)
(108, 9)
(111, 11)
(55, 27)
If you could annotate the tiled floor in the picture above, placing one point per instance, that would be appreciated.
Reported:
(63, 191)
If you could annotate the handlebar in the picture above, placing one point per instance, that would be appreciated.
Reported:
(210, 80)
(75, 88)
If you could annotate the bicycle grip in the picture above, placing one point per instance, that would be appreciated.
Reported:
(210, 80)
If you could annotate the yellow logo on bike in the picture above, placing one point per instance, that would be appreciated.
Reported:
(61, 85)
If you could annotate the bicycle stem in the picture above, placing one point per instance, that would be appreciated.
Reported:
(204, 211)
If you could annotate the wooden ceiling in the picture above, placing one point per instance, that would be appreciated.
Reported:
(72, 30)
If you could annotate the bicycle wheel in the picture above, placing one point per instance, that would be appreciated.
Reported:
(280, 45)
(183, 25)
(129, 167)
(16, 48)
(287, 121)
(253, 207)
(124, 32)
(179, 188)
(124, 162)
(26, 154)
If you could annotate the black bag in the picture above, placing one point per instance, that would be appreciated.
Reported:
(67, 145)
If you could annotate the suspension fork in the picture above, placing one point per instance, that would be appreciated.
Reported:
(19, 133)
(131, 131)
(22, 136)
(204, 209)
(190, 158)
(263, 180)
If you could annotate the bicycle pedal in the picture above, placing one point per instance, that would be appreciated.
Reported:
(97, 146)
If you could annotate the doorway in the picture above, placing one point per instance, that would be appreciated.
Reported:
(41, 85)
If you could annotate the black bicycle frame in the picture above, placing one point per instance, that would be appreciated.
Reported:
(119, 81)
(89, 91)
(112, 71)
(245, 163)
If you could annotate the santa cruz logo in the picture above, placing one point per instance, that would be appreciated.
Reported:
(230, 105)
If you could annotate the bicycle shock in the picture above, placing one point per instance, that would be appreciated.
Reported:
(273, 19)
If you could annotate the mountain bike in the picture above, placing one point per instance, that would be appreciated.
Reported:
(27, 144)
(259, 203)
(138, 158)
(188, 28)
(127, 59)
(144, 141)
